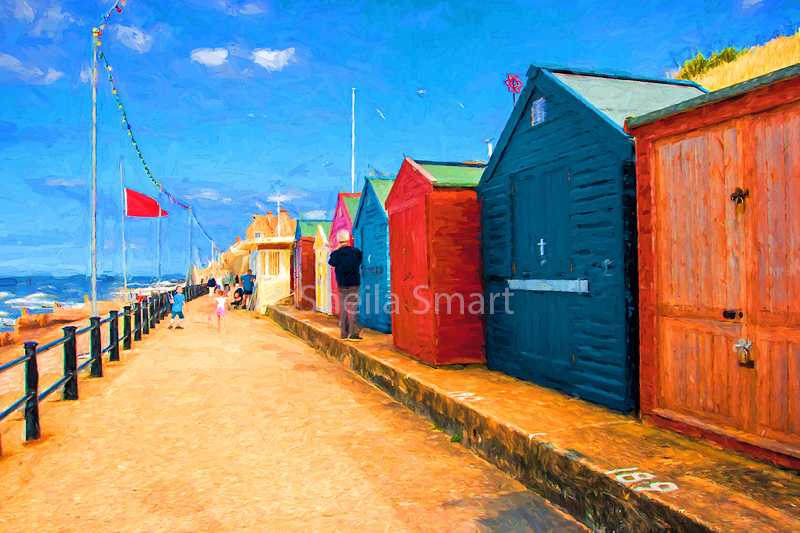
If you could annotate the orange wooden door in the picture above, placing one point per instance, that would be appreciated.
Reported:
(702, 280)
(774, 300)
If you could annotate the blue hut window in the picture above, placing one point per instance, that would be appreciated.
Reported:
(538, 112)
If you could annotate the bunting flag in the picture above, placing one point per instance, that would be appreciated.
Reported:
(139, 205)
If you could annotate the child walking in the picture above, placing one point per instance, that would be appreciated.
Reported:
(221, 310)
(177, 307)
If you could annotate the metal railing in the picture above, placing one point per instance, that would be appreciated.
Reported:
(137, 319)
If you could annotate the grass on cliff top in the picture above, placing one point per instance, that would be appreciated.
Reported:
(748, 64)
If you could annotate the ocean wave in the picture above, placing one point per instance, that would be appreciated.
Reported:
(3, 313)
(37, 299)
(4, 295)
(40, 299)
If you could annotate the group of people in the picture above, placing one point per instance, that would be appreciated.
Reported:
(242, 292)
(346, 261)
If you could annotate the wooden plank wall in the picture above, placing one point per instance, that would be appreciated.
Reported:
(454, 266)
(602, 227)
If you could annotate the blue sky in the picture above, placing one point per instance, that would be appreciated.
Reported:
(232, 102)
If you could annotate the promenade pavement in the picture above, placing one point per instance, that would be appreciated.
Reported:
(249, 429)
(606, 468)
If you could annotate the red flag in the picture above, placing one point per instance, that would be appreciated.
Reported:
(139, 205)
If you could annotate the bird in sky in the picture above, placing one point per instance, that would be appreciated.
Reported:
(421, 93)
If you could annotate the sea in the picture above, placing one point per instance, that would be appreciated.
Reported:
(38, 293)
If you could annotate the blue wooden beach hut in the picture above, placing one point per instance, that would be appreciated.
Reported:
(559, 231)
(371, 233)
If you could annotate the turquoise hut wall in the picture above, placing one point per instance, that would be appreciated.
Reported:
(371, 234)
(559, 229)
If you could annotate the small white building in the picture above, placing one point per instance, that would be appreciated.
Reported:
(269, 240)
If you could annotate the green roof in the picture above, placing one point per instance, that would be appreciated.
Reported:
(619, 98)
(454, 174)
(308, 228)
(716, 96)
(351, 204)
(381, 188)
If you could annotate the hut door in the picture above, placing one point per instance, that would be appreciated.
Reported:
(774, 293)
(373, 268)
(542, 253)
(409, 247)
(703, 243)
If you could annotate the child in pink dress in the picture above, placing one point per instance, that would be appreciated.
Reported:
(221, 311)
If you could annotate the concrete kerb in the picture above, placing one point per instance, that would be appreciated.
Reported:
(560, 475)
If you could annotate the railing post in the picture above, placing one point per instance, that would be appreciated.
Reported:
(151, 308)
(126, 328)
(113, 334)
(146, 316)
(137, 322)
(32, 428)
(70, 391)
(95, 348)
(156, 310)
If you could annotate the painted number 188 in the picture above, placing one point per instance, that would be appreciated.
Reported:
(631, 476)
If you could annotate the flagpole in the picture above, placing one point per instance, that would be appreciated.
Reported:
(159, 242)
(124, 262)
(353, 147)
(190, 238)
(95, 31)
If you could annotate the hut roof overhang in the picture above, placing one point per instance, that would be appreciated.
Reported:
(610, 96)
(727, 93)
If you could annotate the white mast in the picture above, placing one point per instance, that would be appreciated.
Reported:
(95, 32)
(353, 148)
(124, 263)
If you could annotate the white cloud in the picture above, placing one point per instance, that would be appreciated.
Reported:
(273, 59)
(210, 57)
(86, 73)
(52, 22)
(315, 215)
(31, 75)
(65, 183)
(749, 3)
(134, 38)
(250, 115)
(22, 11)
(204, 194)
(52, 75)
(252, 9)
(13, 64)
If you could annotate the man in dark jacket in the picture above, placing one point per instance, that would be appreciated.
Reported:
(346, 260)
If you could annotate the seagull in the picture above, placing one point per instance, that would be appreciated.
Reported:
(422, 92)
(381, 114)
(327, 163)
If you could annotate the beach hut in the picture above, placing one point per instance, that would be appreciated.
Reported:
(434, 243)
(719, 234)
(343, 216)
(270, 240)
(371, 235)
(559, 231)
(322, 272)
(304, 265)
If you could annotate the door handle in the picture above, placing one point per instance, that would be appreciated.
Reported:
(731, 314)
(739, 195)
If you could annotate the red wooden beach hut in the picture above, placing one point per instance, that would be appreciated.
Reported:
(343, 217)
(719, 265)
(434, 245)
